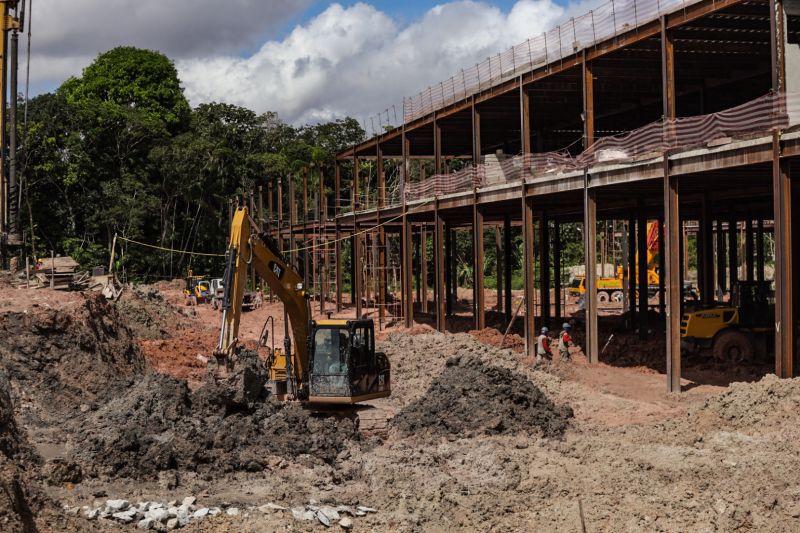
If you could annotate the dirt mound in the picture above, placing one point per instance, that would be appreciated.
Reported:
(768, 402)
(225, 426)
(494, 337)
(470, 398)
(148, 314)
(65, 359)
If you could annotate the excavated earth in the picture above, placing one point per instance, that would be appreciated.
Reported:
(478, 439)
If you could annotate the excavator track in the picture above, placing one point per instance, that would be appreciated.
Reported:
(371, 420)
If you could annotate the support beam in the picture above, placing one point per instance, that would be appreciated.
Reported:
(339, 266)
(525, 116)
(721, 270)
(782, 214)
(632, 270)
(777, 51)
(507, 268)
(439, 267)
(406, 272)
(760, 250)
(588, 103)
(749, 247)
(528, 237)
(557, 268)
(733, 251)
(448, 265)
(357, 278)
(476, 134)
(337, 189)
(280, 214)
(498, 248)
(673, 281)
(707, 251)
(662, 267)
(544, 265)
(667, 70)
(437, 147)
(644, 285)
(590, 253)
(478, 291)
(355, 201)
(423, 259)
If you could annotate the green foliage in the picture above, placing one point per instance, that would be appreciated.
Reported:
(119, 151)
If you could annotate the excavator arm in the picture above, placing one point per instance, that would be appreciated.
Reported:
(247, 248)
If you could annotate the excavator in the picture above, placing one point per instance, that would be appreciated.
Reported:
(332, 361)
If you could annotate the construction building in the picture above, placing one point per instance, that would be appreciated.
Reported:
(679, 112)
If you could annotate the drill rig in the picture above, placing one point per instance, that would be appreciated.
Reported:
(332, 361)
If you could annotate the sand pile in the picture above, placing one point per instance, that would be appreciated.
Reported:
(769, 402)
(471, 398)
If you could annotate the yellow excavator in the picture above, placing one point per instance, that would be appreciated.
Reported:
(332, 362)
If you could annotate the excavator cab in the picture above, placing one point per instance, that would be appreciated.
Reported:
(345, 368)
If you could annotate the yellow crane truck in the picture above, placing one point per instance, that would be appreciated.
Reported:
(332, 361)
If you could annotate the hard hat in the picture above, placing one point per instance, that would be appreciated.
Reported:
(545, 330)
(566, 325)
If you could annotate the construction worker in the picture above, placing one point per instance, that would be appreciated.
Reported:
(542, 345)
(564, 341)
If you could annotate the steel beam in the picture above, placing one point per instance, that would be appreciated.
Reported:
(784, 320)
(749, 250)
(357, 272)
(733, 251)
(557, 268)
(544, 265)
(507, 268)
(437, 147)
(644, 285)
(632, 269)
(673, 278)
(423, 259)
(707, 251)
(448, 265)
(478, 291)
(337, 189)
(525, 119)
(439, 267)
(588, 103)
(590, 253)
(528, 274)
(406, 271)
(721, 270)
(760, 250)
(354, 189)
(476, 134)
(498, 248)
(777, 50)
(667, 70)
(338, 260)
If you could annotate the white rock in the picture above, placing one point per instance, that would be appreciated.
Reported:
(92, 514)
(159, 515)
(346, 522)
(365, 509)
(324, 520)
(232, 511)
(331, 513)
(201, 513)
(117, 505)
(267, 507)
(124, 517)
(214, 511)
(189, 500)
(172, 523)
(173, 511)
(145, 523)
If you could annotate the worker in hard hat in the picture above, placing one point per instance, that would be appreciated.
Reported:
(542, 345)
(565, 341)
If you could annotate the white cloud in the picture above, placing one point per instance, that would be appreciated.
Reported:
(346, 61)
(357, 60)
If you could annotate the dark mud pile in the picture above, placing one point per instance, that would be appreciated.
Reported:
(147, 313)
(224, 426)
(61, 360)
(470, 398)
